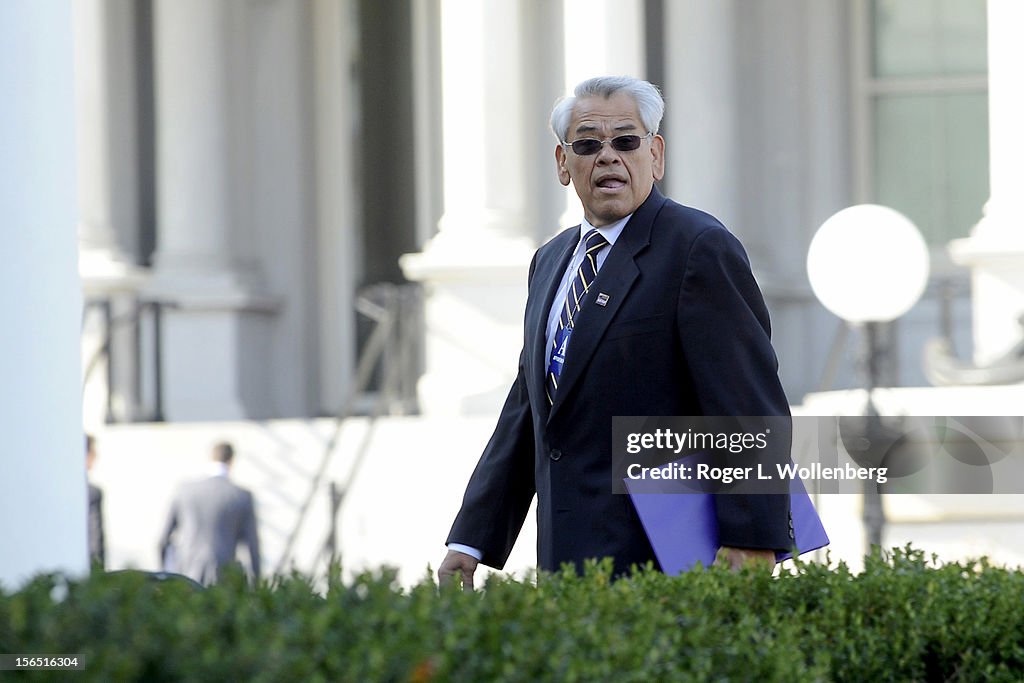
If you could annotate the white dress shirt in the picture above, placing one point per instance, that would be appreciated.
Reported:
(610, 233)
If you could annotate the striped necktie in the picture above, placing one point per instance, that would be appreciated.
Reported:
(585, 274)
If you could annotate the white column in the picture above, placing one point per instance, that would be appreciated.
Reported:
(193, 139)
(602, 38)
(702, 109)
(334, 37)
(474, 270)
(995, 249)
(105, 117)
(108, 192)
(42, 489)
(216, 339)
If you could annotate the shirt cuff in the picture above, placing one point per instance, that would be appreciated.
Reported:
(468, 550)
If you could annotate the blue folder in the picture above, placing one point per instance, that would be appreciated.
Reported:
(683, 527)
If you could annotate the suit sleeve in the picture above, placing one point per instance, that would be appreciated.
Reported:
(169, 527)
(250, 534)
(502, 486)
(726, 337)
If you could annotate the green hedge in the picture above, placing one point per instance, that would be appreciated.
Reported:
(904, 618)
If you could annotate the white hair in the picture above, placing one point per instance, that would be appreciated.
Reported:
(649, 103)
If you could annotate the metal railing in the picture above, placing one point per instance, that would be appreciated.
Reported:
(140, 310)
(384, 382)
(395, 312)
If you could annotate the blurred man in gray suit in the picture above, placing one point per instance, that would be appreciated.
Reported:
(210, 517)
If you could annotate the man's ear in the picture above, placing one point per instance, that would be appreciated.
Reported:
(562, 164)
(658, 152)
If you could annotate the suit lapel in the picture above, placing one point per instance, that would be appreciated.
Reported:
(547, 276)
(614, 280)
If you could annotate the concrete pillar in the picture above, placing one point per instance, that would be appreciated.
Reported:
(108, 196)
(43, 489)
(545, 69)
(200, 265)
(602, 38)
(995, 249)
(194, 90)
(334, 37)
(701, 112)
(474, 270)
(106, 135)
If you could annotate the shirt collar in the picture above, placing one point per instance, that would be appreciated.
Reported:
(217, 469)
(609, 232)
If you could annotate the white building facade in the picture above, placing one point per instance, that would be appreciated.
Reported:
(251, 166)
(249, 172)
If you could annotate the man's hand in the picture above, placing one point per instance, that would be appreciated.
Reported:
(457, 564)
(736, 558)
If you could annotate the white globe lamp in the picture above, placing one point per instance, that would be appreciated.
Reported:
(868, 263)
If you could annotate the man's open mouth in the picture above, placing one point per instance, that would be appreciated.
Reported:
(611, 183)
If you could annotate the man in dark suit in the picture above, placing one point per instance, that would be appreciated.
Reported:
(97, 541)
(647, 308)
(211, 517)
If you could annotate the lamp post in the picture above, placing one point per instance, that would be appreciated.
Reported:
(868, 264)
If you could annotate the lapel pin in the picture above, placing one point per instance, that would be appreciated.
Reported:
(602, 299)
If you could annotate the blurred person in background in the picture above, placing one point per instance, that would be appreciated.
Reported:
(97, 542)
(208, 519)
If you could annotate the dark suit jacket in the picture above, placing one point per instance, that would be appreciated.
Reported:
(97, 542)
(210, 518)
(685, 332)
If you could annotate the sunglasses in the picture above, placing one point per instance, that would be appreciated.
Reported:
(584, 147)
